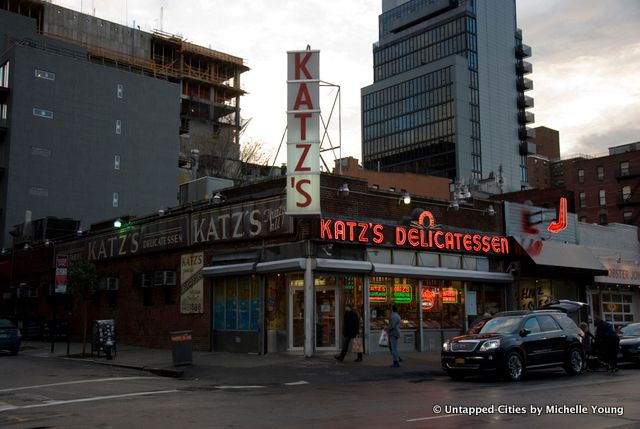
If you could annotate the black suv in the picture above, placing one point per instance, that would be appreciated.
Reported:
(514, 341)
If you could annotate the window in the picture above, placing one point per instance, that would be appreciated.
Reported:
(532, 326)
(600, 171)
(42, 113)
(601, 196)
(236, 304)
(4, 75)
(583, 218)
(118, 126)
(627, 217)
(626, 193)
(116, 162)
(602, 219)
(547, 323)
(581, 176)
(42, 74)
(120, 91)
(624, 168)
(116, 197)
(583, 199)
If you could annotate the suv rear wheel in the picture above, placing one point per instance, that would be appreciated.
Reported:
(575, 361)
(513, 366)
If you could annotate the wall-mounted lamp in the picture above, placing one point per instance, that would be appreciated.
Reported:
(490, 210)
(454, 205)
(79, 232)
(117, 223)
(26, 246)
(343, 190)
(218, 198)
(406, 198)
(47, 242)
(161, 212)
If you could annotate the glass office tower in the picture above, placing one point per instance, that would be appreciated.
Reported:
(448, 92)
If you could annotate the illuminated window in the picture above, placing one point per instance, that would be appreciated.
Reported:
(118, 126)
(116, 162)
(601, 196)
(626, 193)
(120, 91)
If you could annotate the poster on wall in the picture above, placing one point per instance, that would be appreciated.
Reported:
(61, 274)
(191, 283)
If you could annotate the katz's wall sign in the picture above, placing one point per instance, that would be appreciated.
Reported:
(421, 236)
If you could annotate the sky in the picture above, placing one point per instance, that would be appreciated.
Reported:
(586, 60)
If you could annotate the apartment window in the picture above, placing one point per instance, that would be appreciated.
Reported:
(118, 126)
(601, 196)
(4, 75)
(48, 114)
(624, 168)
(626, 193)
(583, 199)
(116, 197)
(43, 74)
(580, 176)
(602, 219)
(627, 217)
(116, 162)
(120, 91)
(600, 171)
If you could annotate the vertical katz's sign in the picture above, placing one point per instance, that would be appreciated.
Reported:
(303, 132)
(191, 289)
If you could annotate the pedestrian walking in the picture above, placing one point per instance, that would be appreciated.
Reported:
(607, 343)
(350, 330)
(393, 331)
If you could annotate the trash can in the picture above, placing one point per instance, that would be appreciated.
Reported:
(181, 347)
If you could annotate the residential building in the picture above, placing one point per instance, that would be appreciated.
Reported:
(606, 188)
(547, 150)
(96, 118)
(448, 92)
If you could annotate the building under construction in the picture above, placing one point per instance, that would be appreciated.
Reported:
(210, 118)
(100, 120)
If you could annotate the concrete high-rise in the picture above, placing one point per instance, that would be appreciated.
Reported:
(448, 93)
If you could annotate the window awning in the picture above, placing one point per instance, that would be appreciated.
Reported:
(554, 254)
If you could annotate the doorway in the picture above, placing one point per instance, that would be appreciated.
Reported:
(326, 305)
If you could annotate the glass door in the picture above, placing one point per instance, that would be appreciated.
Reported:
(326, 318)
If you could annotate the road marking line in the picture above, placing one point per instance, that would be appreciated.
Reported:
(240, 387)
(92, 399)
(97, 380)
(296, 383)
(434, 417)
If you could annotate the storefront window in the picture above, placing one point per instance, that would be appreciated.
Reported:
(532, 294)
(442, 304)
(237, 304)
(385, 291)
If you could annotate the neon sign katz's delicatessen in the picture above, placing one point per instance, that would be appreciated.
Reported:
(419, 237)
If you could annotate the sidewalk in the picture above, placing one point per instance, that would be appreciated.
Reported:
(238, 368)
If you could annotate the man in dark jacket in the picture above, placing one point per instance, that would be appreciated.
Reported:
(607, 343)
(350, 330)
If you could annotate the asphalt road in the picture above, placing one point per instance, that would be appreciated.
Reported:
(37, 392)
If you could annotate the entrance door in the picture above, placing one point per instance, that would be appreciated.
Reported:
(325, 318)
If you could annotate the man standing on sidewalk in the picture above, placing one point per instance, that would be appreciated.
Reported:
(350, 330)
(393, 331)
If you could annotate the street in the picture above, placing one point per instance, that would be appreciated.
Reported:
(70, 393)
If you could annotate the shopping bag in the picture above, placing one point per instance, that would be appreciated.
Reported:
(356, 345)
(384, 339)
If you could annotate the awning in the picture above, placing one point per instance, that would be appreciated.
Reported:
(554, 254)
(439, 273)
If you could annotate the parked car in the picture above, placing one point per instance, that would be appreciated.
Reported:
(10, 336)
(513, 342)
(630, 343)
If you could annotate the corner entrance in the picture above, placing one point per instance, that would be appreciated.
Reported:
(325, 318)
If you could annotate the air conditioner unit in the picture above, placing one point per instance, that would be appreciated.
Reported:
(113, 283)
(144, 279)
(164, 278)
